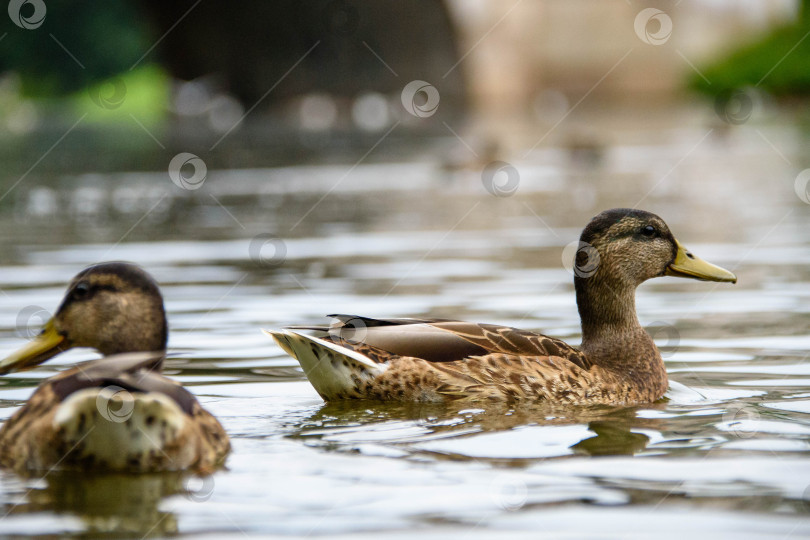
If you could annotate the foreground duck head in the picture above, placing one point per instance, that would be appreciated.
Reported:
(113, 307)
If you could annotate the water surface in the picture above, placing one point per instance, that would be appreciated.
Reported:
(725, 453)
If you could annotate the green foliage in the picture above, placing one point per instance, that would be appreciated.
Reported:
(106, 38)
(142, 93)
(778, 64)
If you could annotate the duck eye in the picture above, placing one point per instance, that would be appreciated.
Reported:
(649, 231)
(81, 290)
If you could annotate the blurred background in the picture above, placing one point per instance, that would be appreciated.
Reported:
(283, 82)
(239, 86)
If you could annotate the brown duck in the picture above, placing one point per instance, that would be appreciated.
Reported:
(435, 359)
(116, 413)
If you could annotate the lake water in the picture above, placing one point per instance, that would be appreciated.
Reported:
(725, 454)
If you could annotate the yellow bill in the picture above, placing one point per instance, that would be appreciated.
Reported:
(46, 345)
(688, 266)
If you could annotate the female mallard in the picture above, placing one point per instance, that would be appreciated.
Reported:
(118, 412)
(432, 359)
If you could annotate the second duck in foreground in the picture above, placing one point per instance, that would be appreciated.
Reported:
(438, 359)
(116, 413)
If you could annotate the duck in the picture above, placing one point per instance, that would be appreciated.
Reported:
(117, 413)
(434, 360)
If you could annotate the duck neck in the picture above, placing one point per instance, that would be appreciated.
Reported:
(612, 337)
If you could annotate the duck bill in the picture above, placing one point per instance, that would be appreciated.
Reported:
(46, 345)
(687, 265)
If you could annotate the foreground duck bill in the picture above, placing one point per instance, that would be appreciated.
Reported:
(47, 344)
(688, 266)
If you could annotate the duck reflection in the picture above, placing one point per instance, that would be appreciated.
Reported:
(611, 440)
(119, 504)
(343, 425)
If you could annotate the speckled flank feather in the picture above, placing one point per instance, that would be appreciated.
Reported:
(521, 366)
(505, 377)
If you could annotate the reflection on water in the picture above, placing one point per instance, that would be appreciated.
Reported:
(724, 452)
(105, 503)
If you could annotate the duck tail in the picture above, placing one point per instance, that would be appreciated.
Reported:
(335, 371)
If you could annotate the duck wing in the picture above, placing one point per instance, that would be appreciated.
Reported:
(444, 340)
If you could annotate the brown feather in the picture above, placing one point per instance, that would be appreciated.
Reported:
(30, 439)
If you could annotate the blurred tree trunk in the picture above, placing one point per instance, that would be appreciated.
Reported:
(248, 46)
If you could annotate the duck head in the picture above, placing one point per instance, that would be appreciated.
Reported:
(627, 247)
(113, 307)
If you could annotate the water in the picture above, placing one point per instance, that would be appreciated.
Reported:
(725, 454)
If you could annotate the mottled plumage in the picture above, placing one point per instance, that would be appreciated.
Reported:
(435, 360)
(116, 413)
